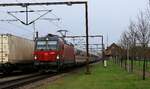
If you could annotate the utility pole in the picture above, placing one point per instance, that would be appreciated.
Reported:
(27, 15)
(87, 39)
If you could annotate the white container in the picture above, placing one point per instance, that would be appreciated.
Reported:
(14, 49)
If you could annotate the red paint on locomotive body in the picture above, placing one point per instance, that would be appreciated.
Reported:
(50, 56)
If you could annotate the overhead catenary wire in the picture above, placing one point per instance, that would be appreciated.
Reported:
(15, 25)
(50, 21)
(27, 10)
(40, 14)
(15, 33)
(46, 9)
(21, 27)
(58, 27)
(18, 25)
(9, 21)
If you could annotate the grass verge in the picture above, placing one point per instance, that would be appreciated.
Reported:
(112, 77)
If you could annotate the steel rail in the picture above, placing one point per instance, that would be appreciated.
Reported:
(11, 84)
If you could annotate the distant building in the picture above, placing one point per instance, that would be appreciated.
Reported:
(113, 50)
(137, 52)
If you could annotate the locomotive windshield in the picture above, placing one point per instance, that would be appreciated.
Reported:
(46, 45)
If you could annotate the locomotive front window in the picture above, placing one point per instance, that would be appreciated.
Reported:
(52, 42)
(52, 45)
(41, 45)
(46, 45)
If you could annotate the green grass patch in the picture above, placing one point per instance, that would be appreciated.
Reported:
(138, 65)
(112, 77)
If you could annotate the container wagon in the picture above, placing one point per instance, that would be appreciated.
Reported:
(15, 53)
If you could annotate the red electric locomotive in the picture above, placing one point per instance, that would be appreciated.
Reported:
(53, 53)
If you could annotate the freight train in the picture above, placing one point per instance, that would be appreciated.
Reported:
(55, 53)
(15, 53)
(50, 52)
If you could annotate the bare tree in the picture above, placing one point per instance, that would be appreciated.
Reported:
(143, 31)
(147, 12)
(143, 36)
(138, 32)
(128, 38)
(132, 34)
(132, 42)
(124, 43)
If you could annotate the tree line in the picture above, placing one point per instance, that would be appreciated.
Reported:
(136, 40)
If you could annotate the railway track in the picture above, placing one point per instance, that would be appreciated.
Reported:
(20, 81)
(13, 74)
(14, 82)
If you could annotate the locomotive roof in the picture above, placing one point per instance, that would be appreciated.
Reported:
(49, 36)
(53, 37)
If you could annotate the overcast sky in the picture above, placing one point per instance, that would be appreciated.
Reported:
(105, 17)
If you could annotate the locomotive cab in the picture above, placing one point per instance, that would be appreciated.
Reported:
(52, 52)
(47, 50)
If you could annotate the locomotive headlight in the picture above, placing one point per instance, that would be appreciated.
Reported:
(57, 57)
(35, 57)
